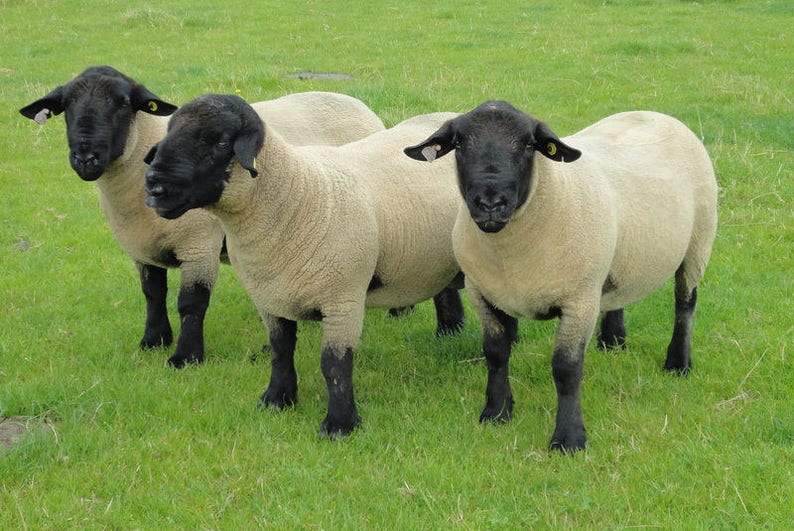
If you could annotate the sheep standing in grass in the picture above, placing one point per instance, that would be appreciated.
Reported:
(314, 233)
(111, 123)
(541, 239)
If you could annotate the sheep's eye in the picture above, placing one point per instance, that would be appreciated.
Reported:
(222, 144)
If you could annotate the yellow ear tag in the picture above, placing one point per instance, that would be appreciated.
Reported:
(255, 165)
(551, 149)
(153, 106)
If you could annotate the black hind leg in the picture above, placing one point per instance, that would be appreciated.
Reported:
(613, 331)
(679, 352)
(449, 311)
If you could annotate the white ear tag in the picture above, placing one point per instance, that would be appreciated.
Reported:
(429, 153)
(41, 116)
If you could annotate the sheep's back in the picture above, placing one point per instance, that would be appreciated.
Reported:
(322, 118)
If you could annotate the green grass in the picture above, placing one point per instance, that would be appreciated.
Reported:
(120, 441)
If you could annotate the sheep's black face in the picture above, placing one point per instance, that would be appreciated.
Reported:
(494, 162)
(189, 168)
(495, 146)
(99, 105)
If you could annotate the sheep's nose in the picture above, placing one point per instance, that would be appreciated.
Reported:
(490, 204)
(84, 159)
(153, 187)
(154, 192)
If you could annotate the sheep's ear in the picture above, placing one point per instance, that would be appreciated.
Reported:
(439, 144)
(246, 146)
(40, 110)
(150, 155)
(549, 144)
(143, 100)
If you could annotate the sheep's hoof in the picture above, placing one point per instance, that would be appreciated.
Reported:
(611, 343)
(336, 428)
(278, 400)
(401, 311)
(678, 370)
(449, 329)
(180, 361)
(497, 415)
(157, 339)
(568, 442)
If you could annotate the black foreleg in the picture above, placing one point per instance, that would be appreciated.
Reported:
(154, 285)
(282, 391)
(497, 344)
(192, 304)
(342, 417)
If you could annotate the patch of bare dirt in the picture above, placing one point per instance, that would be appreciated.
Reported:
(12, 429)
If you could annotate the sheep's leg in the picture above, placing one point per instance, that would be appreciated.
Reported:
(613, 331)
(567, 364)
(401, 311)
(192, 305)
(342, 417)
(496, 345)
(449, 311)
(282, 391)
(341, 332)
(679, 354)
(157, 331)
(499, 333)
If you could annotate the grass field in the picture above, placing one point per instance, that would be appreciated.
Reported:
(117, 440)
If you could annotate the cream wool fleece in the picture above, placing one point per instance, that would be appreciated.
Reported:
(641, 198)
(310, 232)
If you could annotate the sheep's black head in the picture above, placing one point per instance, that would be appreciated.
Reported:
(99, 106)
(495, 146)
(190, 167)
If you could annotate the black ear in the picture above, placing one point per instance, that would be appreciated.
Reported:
(150, 155)
(144, 100)
(247, 145)
(50, 105)
(439, 144)
(548, 144)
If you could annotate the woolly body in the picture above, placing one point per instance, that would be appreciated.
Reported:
(340, 217)
(319, 233)
(614, 226)
(634, 204)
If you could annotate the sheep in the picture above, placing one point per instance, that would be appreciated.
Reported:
(540, 239)
(314, 233)
(111, 122)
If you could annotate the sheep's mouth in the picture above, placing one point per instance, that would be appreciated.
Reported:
(88, 168)
(156, 198)
(491, 221)
(491, 225)
(167, 212)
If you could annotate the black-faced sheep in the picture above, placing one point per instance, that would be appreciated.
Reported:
(314, 233)
(111, 123)
(542, 239)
